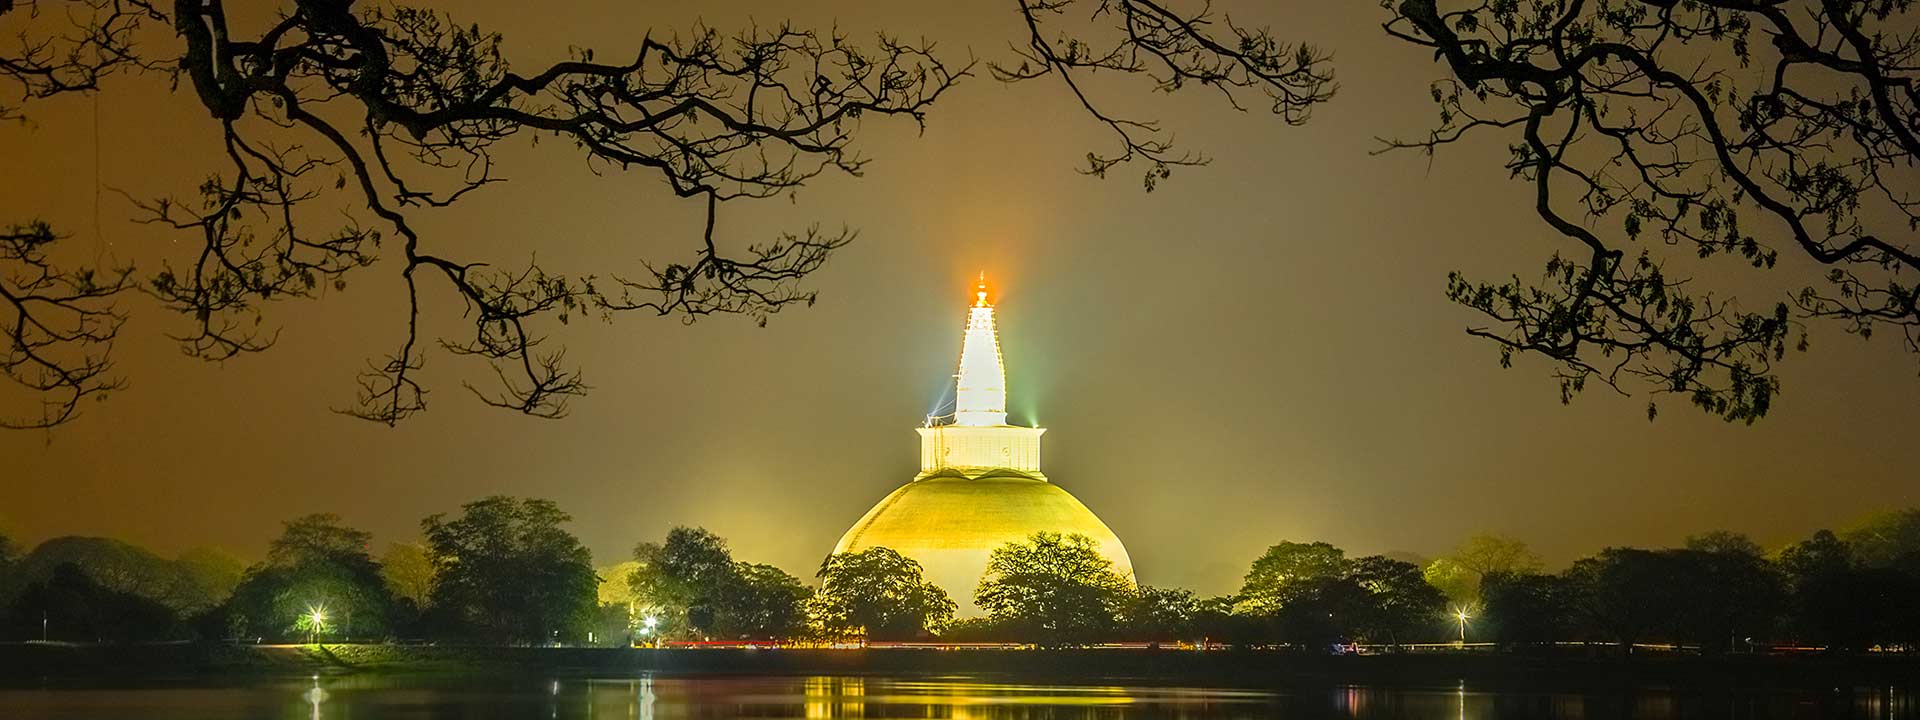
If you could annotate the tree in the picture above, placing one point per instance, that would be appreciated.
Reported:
(1152, 613)
(1837, 603)
(506, 571)
(762, 602)
(1400, 605)
(879, 594)
(319, 538)
(394, 112)
(616, 584)
(1641, 120)
(1726, 543)
(682, 580)
(1287, 569)
(1709, 599)
(408, 572)
(1215, 620)
(1735, 594)
(1882, 540)
(1317, 613)
(1310, 596)
(1523, 608)
(115, 566)
(213, 572)
(7, 553)
(618, 615)
(1459, 574)
(1056, 589)
(316, 564)
(68, 604)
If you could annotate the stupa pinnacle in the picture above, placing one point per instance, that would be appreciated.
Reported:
(980, 395)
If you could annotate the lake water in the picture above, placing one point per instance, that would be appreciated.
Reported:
(374, 698)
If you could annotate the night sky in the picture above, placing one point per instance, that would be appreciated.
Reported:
(1257, 351)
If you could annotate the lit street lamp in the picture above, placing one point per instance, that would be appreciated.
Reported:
(647, 626)
(1461, 615)
(316, 622)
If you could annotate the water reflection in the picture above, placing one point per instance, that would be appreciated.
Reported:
(662, 698)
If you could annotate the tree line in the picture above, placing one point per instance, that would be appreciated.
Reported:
(505, 570)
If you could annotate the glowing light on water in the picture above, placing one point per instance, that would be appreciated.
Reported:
(314, 696)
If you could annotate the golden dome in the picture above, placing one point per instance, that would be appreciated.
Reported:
(950, 523)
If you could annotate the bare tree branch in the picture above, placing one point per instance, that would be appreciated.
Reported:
(396, 110)
(753, 115)
(61, 322)
(1645, 114)
(1174, 49)
(60, 327)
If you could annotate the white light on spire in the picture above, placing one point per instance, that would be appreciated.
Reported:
(981, 396)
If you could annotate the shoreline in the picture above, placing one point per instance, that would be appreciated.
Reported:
(44, 664)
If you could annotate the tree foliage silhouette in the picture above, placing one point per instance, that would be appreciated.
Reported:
(506, 570)
(880, 594)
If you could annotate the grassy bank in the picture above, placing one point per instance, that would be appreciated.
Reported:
(34, 663)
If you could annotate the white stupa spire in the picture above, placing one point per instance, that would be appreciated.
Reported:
(980, 397)
(979, 440)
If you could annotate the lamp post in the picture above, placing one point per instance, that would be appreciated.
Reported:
(1461, 615)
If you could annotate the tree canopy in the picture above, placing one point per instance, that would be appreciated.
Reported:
(68, 604)
(1460, 573)
(1723, 541)
(1154, 613)
(115, 566)
(408, 569)
(1885, 539)
(213, 572)
(681, 580)
(762, 602)
(1053, 588)
(695, 588)
(1311, 595)
(880, 594)
(1288, 568)
(316, 564)
(1700, 597)
(506, 570)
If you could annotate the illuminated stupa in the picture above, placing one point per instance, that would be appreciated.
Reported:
(979, 485)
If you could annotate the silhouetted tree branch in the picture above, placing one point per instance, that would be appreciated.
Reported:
(401, 108)
(748, 116)
(70, 49)
(1660, 118)
(60, 322)
(1175, 48)
(60, 326)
